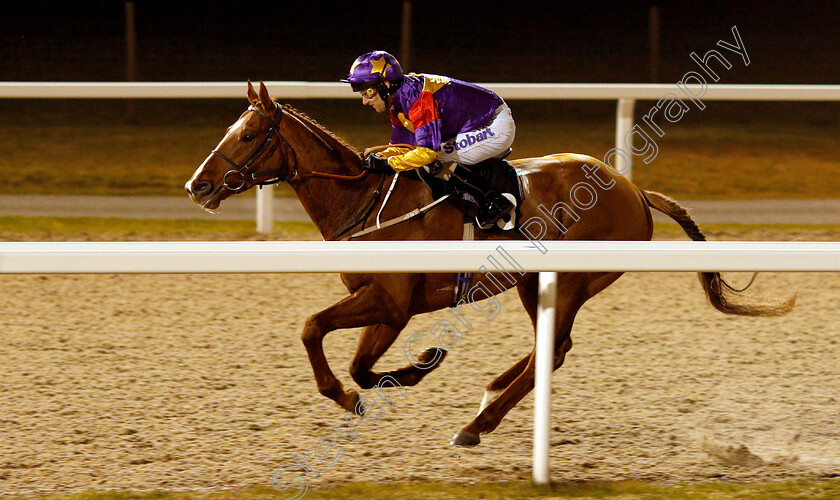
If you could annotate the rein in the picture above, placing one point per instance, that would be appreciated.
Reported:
(236, 179)
(324, 175)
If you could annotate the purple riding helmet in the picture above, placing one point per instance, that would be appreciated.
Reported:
(373, 70)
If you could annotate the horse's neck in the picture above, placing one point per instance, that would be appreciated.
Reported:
(330, 203)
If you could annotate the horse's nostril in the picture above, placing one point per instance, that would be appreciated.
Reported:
(201, 188)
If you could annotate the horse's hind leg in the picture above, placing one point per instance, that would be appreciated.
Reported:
(373, 343)
(572, 291)
(528, 289)
(529, 294)
(490, 417)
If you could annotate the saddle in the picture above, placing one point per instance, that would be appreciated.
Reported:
(491, 175)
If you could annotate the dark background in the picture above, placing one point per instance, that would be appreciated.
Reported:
(575, 41)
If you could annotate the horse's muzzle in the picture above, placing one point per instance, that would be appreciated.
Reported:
(203, 194)
(198, 189)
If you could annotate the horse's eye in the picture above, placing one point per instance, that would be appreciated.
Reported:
(247, 138)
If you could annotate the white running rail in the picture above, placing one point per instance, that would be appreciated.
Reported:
(626, 95)
(428, 256)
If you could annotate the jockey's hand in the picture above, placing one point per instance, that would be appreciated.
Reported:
(377, 164)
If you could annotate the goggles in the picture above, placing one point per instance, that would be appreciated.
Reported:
(368, 93)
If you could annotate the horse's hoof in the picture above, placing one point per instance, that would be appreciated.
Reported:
(462, 438)
(431, 354)
(353, 402)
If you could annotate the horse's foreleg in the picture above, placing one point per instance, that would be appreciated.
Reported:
(367, 305)
(373, 343)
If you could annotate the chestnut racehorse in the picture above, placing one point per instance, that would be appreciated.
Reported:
(273, 143)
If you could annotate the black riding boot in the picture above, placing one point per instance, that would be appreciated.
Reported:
(490, 203)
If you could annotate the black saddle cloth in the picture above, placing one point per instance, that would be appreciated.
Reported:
(496, 175)
(499, 175)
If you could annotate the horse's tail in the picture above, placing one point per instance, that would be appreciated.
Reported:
(722, 296)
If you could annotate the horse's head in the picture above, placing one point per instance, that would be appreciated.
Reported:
(252, 152)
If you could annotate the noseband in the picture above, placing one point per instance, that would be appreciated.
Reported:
(236, 178)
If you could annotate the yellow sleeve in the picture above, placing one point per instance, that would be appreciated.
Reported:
(393, 151)
(415, 158)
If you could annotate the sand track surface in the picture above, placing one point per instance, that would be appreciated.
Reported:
(201, 382)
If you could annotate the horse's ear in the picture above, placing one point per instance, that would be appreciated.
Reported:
(265, 98)
(252, 94)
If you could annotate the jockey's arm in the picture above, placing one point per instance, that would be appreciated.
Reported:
(416, 158)
(426, 136)
(399, 135)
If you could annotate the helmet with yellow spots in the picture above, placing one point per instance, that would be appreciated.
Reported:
(372, 69)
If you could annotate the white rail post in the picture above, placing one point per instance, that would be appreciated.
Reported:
(544, 367)
(623, 125)
(265, 209)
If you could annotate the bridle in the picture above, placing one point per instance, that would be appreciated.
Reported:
(236, 179)
(242, 171)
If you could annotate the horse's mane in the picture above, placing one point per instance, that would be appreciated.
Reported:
(303, 116)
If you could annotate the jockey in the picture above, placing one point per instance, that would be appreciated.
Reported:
(449, 121)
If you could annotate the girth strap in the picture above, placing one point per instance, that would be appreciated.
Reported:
(402, 218)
